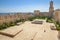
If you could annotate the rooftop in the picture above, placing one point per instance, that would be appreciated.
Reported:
(32, 32)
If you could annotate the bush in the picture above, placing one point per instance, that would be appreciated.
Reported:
(12, 23)
(3, 26)
(41, 17)
(57, 26)
(22, 20)
(36, 17)
(31, 18)
(49, 20)
(6, 25)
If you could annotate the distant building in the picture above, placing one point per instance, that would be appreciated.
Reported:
(17, 16)
(51, 9)
(57, 15)
(44, 14)
(49, 14)
(36, 13)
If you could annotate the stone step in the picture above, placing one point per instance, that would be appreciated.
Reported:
(12, 31)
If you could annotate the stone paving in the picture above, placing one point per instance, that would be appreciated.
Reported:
(33, 32)
(12, 31)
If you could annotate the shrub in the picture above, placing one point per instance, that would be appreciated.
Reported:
(6, 25)
(41, 17)
(22, 20)
(31, 18)
(12, 23)
(36, 17)
(57, 26)
(49, 20)
(3, 26)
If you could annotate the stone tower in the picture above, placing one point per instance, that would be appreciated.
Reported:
(51, 9)
(36, 13)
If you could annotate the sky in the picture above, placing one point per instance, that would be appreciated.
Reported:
(7, 6)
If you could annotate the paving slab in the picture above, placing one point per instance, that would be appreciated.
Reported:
(2, 37)
(25, 36)
(48, 34)
(34, 32)
(12, 31)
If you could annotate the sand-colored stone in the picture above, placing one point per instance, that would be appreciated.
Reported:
(36, 13)
(12, 31)
(57, 15)
(35, 32)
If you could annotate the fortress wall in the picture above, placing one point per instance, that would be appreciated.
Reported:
(44, 13)
(27, 15)
(57, 15)
(13, 17)
(36, 13)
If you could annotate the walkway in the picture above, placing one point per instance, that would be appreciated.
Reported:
(33, 32)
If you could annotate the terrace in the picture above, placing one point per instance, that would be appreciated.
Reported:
(30, 31)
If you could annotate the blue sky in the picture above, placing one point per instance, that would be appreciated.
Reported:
(26, 5)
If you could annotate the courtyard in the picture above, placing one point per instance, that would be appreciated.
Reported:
(31, 31)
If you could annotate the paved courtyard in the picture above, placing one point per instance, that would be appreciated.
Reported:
(33, 32)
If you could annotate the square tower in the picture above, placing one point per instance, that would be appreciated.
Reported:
(51, 9)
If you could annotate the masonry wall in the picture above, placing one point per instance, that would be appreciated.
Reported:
(13, 17)
(36, 13)
(57, 15)
(44, 13)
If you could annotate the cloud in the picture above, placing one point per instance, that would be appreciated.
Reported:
(27, 8)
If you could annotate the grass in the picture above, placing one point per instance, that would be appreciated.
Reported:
(49, 20)
(57, 25)
(31, 18)
(36, 17)
(6, 25)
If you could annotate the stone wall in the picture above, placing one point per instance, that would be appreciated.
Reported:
(13, 17)
(36, 13)
(57, 15)
(44, 13)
